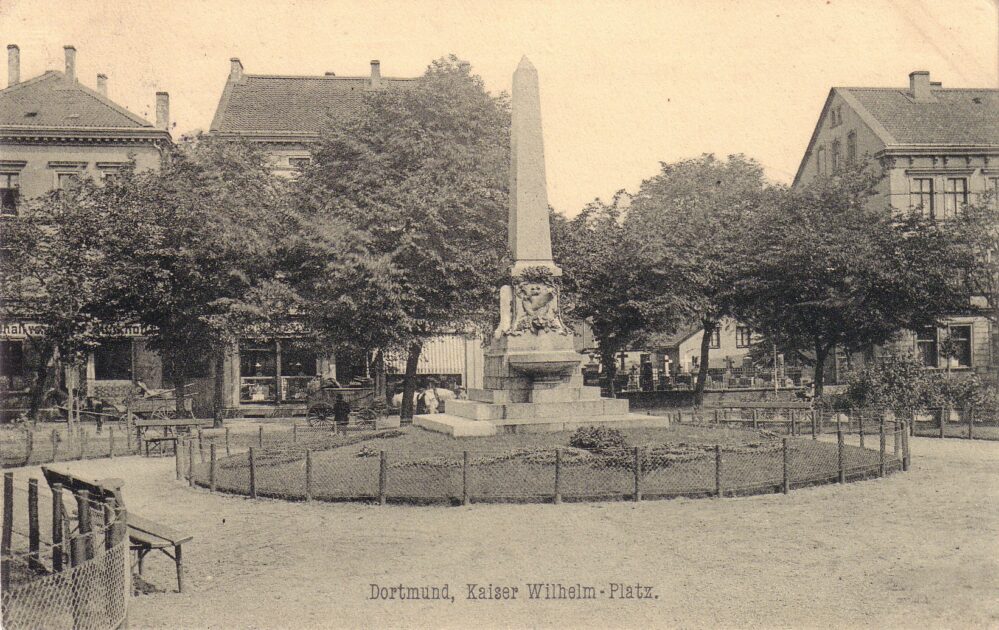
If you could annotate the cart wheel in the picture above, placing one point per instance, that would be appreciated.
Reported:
(320, 416)
(367, 415)
(161, 414)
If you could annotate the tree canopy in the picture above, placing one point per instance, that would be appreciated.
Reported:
(421, 171)
(827, 265)
(689, 222)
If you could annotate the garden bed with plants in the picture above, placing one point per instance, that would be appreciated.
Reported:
(417, 466)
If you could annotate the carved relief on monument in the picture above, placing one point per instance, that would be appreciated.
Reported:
(532, 304)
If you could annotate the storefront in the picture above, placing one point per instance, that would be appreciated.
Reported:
(275, 371)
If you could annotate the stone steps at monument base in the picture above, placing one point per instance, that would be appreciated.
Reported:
(456, 426)
(474, 410)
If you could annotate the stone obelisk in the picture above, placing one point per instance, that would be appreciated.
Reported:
(532, 379)
(530, 232)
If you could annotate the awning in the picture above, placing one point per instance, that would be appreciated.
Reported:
(440, 355)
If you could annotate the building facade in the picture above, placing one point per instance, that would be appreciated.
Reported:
(939, 148)
(53, 131)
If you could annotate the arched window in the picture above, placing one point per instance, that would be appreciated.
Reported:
(820, 161)
(851, 147)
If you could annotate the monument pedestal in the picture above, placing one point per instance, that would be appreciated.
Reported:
(533, 391)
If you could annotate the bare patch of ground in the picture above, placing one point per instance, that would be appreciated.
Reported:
(913, 550)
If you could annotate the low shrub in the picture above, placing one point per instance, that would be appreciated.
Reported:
(598, 439)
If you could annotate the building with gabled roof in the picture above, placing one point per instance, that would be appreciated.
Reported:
(53, 130)
(287, 112)
(939, 148)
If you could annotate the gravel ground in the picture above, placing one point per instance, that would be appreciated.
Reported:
(913, 550)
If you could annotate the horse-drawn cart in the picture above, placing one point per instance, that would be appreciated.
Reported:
(364, 405)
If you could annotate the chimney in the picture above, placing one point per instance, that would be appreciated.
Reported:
(163, 111)
(376, 73)
(13, 65)
(70, 62)
(235, 70)
(102, 84)
(919, 86)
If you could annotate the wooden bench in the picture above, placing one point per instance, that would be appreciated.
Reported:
(144, 535)
(158, 443)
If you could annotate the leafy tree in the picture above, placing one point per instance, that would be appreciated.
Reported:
(186, 248)
(975, 234)
(421, 172)
(825, 267)
(607, 282)
(690, 222)
(50, 275)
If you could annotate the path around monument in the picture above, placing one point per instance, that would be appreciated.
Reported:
(913, 550)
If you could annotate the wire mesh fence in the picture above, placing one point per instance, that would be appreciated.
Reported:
(23, 445)
(371, 467)
(65, 559)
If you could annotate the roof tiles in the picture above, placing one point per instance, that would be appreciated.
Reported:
(295, 104)
(51, 100)
(953, 117)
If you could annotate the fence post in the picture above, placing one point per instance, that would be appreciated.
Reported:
(109, 517)
(794, 422)
(260, 436)
(8, 528)
(464, 478)
(82, 439)
(211, 469)
(294, 433)
(815, 427)
(85, 523)
(308, 474)
(227, 452)
(57, 527)
(718, 470)
(882, 449)
(176, 456)
(55, 443)
(756, 418)
(860, 422)
(638, 473)
(787, 477)
(201, 446)
(382, 476)
(111, 442)
(839, 453)
(190, 464)
(30, 446)
(717, 421)
(971, 423)
(943, 414)
(34, 537)
(253, 475)
(558, 476)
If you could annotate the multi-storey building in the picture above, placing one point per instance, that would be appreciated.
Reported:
(54, 130)
(939, 148)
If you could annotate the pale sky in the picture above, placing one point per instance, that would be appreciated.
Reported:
(624, 84)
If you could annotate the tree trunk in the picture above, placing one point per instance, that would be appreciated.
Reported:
(178, 373)
(702, 370)
(379, 371)
(218, 378)
(38, 382)
(821, 353)
(409, 381)
(609, 361)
